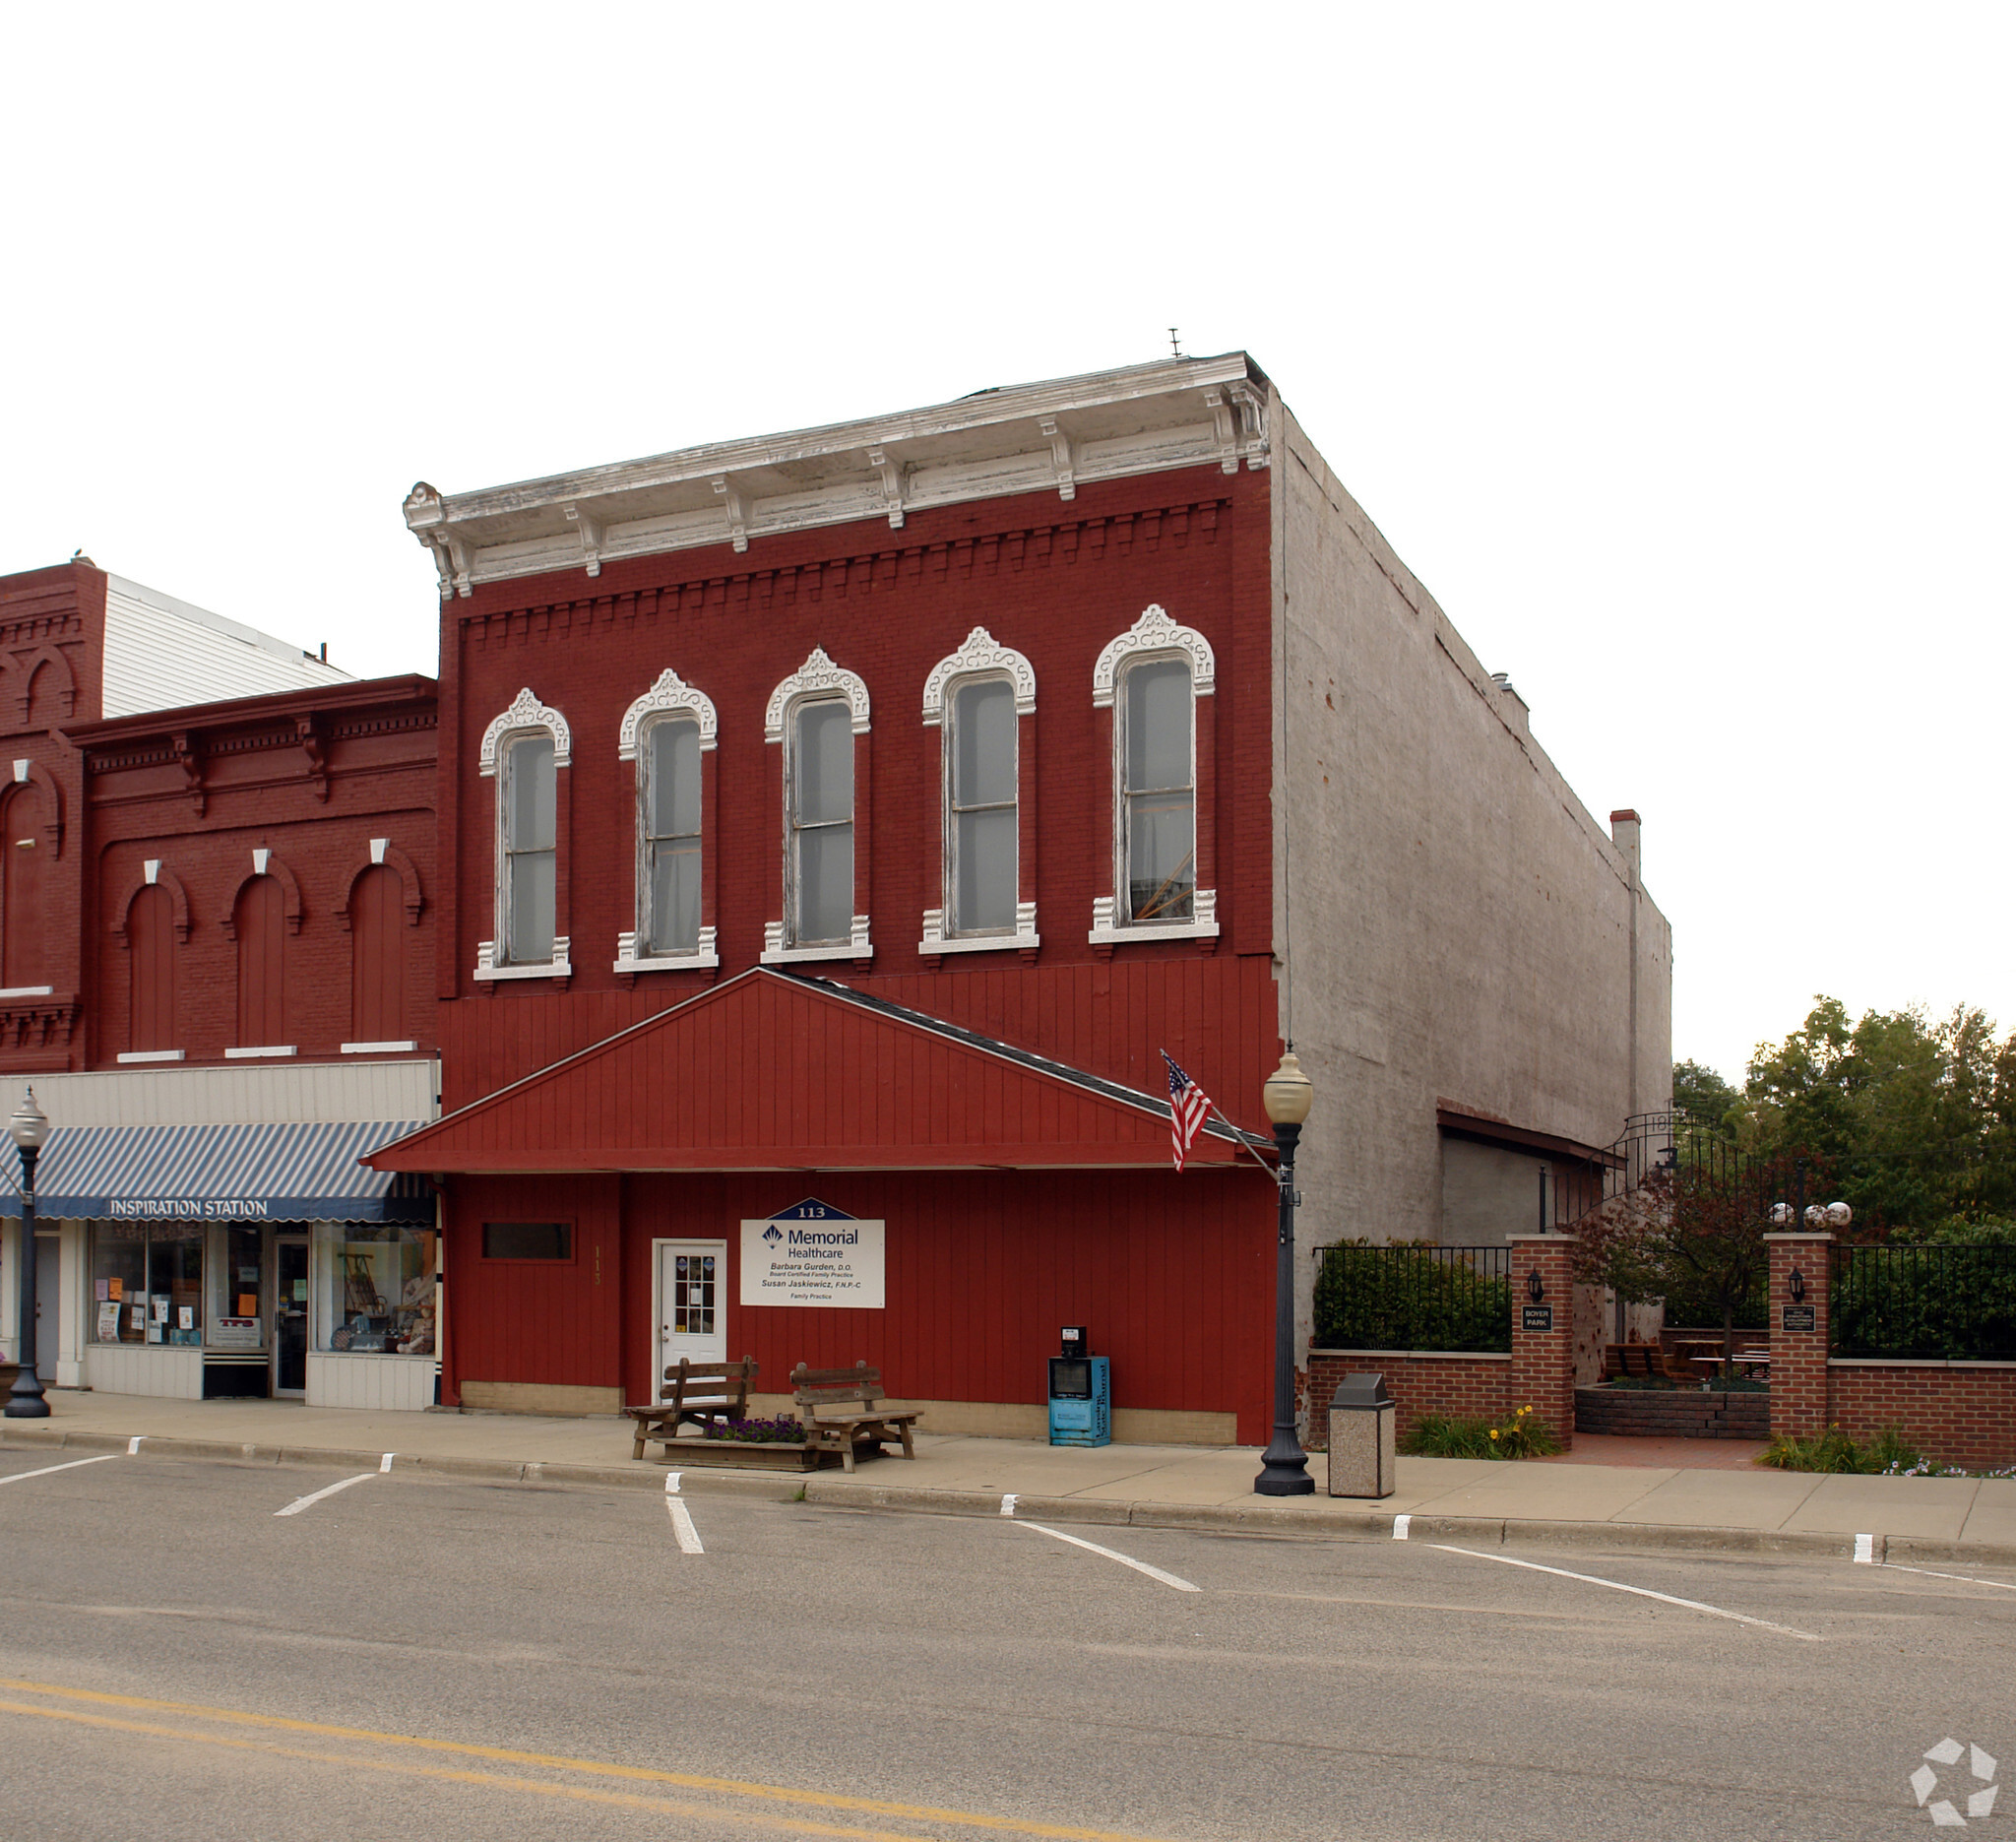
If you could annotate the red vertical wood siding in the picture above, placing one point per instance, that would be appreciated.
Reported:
(377, 948)
(261, 924)
(151, 946)
(1173, 1275)
(546, 1321)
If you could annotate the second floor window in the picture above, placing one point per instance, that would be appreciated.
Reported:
(819, 803)
(1159, 790)
(529, 792)
(980, 808)
(668, 771)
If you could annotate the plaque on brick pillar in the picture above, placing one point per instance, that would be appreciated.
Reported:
(1535, 1318)
(1799, 1318)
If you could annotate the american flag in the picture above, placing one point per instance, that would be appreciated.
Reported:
(1189, 1108)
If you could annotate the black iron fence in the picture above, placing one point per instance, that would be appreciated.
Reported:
(1406, 1297)
(1957, 1303)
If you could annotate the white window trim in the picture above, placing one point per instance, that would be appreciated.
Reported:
(524, 715)
(775, 953)
(13, 991)
(263, 1053)
(669, 697)
(702, 957)
(817, 678)
(1154, 635)
(1203, 925)
(1024, 938)
(154, 1054)
(487, 969)
(980, 656)
(379, 1049)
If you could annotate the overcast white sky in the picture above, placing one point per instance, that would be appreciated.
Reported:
(1670, 347)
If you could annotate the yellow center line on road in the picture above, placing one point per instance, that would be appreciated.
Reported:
(551, 1761)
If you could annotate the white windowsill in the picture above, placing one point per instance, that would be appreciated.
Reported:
(154, 1054)
(1024, 939)
(12, 992)
(1202, 926)
(379, 1049)
(268, 1050)
(703, 958)
(775, 953)
(488, 972)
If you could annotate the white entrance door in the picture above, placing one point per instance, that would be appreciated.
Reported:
(691, 1299)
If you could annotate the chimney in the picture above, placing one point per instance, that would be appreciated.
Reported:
(1625, 835)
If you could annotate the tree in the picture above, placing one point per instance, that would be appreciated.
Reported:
(1702, 1094)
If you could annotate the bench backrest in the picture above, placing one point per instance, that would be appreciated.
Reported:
(687, 1382)
(836, 1387)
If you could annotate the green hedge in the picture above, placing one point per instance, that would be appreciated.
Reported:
(1408, 1298)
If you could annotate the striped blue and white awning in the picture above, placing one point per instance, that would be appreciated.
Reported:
(305, 1172)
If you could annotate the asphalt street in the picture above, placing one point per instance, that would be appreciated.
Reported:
(409, 1656)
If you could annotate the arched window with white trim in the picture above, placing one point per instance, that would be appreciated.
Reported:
(819, 718)
(982, 700)
(670, 732)
(1153, 679)
(524, 750)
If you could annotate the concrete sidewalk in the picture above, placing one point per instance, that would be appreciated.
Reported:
(1712, 1508)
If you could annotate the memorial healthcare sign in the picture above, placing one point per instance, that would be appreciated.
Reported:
(813, 1255)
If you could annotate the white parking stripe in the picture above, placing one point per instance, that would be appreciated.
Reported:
(682, 1526)
(1126, 1560)
(313, 1498)
(1643, 1592)
(1966, 1579)
(46, 1469)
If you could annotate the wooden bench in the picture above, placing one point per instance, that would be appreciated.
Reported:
(1632, 1361)
(711, 1392)
(840, 1410)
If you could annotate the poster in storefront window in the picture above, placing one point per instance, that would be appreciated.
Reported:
(813, 1255)
(109, 1322)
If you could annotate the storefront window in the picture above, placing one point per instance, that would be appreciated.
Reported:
(237, 1288)
(148, 1283)
(374, 1289)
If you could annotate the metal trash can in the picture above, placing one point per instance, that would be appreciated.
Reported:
(1362, 1437)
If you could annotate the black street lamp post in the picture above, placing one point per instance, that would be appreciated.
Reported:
(1284, 1468)
(30, 1127)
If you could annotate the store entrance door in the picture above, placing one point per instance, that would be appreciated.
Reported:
(690, 1319)
(291, 1316)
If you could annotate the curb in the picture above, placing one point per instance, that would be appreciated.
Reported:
(1314, 1519)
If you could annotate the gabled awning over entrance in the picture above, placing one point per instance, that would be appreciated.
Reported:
(775, 1072)
(299, 1172)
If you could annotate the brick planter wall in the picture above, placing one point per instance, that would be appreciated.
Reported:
(1672, 1414)
(1959, 1413)
(1421, 1381)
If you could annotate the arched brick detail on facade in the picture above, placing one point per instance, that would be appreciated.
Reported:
(25, 773)
(165, 878)
(377, 955)
(260, 924)
(412, 897)
(27, 672)
(291, 890)
(152, 930)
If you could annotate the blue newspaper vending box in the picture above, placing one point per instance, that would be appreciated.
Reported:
(1081, 1394)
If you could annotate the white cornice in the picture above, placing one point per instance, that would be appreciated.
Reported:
(1052, 436)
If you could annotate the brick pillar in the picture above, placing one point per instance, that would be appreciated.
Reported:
(1543, 1331)
(1798, 1356)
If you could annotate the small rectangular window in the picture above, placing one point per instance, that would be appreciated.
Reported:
(528, 1241)
(820, 800)
(982, 801)
(672, 837)
(1158, 796)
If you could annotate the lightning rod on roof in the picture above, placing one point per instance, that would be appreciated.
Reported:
(1175, 351)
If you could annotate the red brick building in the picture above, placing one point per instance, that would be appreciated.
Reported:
(220, 929)
(853, 817)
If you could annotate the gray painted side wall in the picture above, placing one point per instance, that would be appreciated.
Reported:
(1490, 1193)
(1451, 923)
